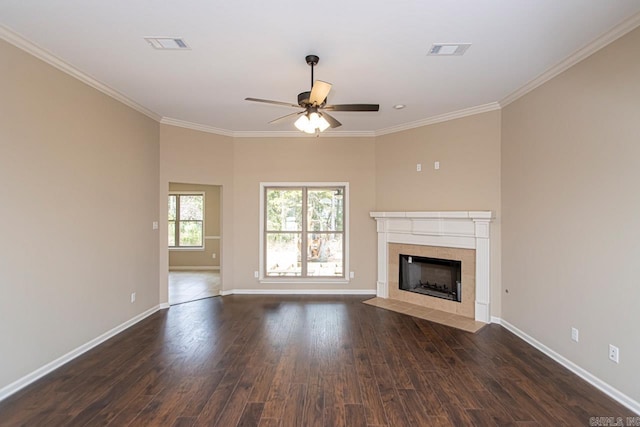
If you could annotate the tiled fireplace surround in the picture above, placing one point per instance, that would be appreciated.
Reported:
(457, 235)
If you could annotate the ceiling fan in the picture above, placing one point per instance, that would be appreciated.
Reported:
(314, 117)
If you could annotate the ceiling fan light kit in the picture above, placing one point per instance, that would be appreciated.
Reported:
(311, 120)
(312, 123)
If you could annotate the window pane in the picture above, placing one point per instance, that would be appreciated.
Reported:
(325, 207)
(324, 255)
(172, 208)
(190, 233)
(191, 207)
(172, 233)
(283, 254)
(284, 210)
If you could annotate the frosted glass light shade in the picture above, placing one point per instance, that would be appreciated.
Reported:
(302, 123)
(311, 123)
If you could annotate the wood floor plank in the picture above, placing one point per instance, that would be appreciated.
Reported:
(260, 360)
(390, 397)
(279, 388)
(269, 422)
(184, 422)
(237, 401)
(314, 403)
(354, 415)
(131, 410)
(293, 412)
(219, 398)
(251, 415)
(205, 386)
(370, 393)
(274, 405)
(428, 396)
(495, 409)
(417, 414)
(262, 383)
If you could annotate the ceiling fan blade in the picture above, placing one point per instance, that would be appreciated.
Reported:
(352, 107)
(268, 101)
(332, 121)
(286, 117)
(319, 92)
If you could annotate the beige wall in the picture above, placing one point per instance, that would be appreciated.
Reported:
(195, 157)
(468, 150)
(321, 159)
(201, 258)
(79, 193)
(240, 164)
(571, 202)
(380, 174)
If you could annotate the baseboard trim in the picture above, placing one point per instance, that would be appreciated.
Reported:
(612, 392)
(197, 268)
(19, 384)
(298, 292)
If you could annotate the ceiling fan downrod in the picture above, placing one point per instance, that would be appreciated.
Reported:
(312, 60)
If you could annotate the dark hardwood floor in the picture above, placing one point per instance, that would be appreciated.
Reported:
(306, 361)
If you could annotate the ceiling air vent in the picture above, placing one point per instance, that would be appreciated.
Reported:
(170, 43)
(448, 49)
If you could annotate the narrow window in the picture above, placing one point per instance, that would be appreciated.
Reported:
(186, 220)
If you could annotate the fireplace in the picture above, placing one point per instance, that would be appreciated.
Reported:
(453, 235)
(435, 277)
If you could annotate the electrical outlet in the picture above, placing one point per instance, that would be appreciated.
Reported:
(575, 334)
(436, 165)
(213, 255)
(419, 167)
(614, 353)
(256, 275)
(154, 225)
(133, 297)
(352, 275)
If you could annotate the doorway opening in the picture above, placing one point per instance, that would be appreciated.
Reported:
(194, 237)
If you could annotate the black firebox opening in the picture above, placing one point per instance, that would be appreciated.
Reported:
(431, 276)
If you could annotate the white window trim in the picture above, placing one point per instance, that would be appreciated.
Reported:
(204, 213)
(301, 280)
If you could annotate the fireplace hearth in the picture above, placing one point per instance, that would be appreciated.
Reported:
(435, 277)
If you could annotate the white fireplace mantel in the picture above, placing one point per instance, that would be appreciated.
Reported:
(454, 229)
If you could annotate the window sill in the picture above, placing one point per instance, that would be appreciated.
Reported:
(301, 281)
(187, 249)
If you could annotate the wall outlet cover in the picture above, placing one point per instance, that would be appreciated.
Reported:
(575, 334)
(614, 353)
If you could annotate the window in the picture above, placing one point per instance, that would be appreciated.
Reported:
(304, 231)
(186, 220)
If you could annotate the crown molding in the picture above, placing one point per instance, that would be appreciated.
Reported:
(492, 106)
(336, 134)
(260, 134)
(20, 42)
(610, 36)
(298, 134)
(195, 126)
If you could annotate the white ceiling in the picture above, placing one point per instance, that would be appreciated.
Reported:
(372, 51)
